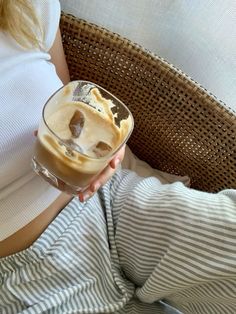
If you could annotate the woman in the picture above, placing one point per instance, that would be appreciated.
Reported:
(33, 67)
(132, 244)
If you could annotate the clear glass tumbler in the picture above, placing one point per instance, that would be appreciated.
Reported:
(82, 128)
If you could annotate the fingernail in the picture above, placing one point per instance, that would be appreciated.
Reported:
(81, 197)
(87, 195)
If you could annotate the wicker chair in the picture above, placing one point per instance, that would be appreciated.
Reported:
(180, 127)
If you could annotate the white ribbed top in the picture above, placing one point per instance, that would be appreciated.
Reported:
(27, 80)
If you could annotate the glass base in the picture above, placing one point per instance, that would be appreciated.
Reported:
(53, 180)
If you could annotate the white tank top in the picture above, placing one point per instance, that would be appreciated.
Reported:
(27, 79)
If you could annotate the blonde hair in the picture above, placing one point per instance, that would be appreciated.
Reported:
(18, 19)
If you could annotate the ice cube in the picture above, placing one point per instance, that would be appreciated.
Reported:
(76, 123)
(102, 149)
(72, 146)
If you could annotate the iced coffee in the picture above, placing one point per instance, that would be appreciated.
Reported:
(82, 128)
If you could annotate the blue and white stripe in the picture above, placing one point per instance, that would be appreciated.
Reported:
(134, 243)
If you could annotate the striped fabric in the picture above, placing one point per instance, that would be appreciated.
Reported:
(134, 243)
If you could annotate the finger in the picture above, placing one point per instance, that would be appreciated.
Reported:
(107, 173)
(117, 158)
(84, 196)
(102, 178)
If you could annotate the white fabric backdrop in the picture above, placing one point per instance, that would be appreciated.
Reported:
(197, 36)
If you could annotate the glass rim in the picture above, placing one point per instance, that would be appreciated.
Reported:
(66, 144)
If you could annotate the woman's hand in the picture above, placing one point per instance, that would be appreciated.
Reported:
(104, 176)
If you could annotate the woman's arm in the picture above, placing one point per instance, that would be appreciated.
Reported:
(59, 60)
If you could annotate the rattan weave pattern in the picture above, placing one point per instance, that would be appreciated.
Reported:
(179, 126)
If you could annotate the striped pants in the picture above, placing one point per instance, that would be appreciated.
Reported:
(133, 245)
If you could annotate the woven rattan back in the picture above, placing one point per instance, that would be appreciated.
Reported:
(179, 127)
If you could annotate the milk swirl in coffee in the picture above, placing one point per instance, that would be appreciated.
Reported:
(79, 140)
